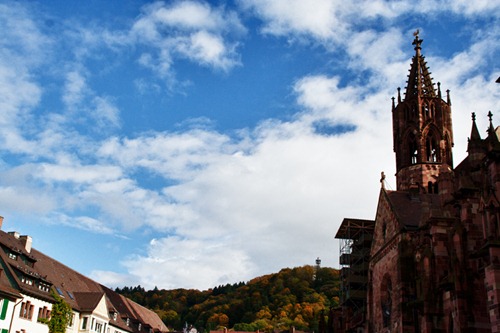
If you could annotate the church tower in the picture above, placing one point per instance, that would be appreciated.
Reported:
(422, 130)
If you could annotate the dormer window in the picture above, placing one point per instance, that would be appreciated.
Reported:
(27, 280)
(12, 256)
(43, 286)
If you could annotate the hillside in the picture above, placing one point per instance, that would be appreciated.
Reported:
(292, 297)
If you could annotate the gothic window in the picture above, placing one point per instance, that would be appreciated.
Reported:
(431, 149)
(386, 300)
(412, 146)
(414, 113)
(426, 111)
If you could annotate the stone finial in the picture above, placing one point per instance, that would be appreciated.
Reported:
(382, 180)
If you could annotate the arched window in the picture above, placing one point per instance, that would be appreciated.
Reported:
(413, 152)
(431, 149)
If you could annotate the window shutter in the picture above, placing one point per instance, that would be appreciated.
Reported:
(5, 305)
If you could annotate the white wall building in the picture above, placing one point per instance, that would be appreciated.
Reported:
(29, 279)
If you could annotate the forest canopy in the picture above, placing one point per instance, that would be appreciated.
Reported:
(295, 297)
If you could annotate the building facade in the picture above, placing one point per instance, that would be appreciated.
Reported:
(432, 254)
(29, 279)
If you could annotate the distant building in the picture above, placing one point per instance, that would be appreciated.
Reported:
(430, 261)
(27, 278)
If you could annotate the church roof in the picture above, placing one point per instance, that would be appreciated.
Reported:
(414, 209)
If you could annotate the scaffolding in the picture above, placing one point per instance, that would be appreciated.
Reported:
(355, 236)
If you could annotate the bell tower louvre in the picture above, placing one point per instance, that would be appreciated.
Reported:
(422, 129)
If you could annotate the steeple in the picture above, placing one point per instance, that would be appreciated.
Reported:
(419, 79)
(422, 130)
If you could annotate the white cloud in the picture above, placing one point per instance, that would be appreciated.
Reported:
(25, 200)
(74, 89)
(77, 173)
(207, 49)
(198, 263)
(320, 18)
(333, 23)
(187, 29)
(105, 112)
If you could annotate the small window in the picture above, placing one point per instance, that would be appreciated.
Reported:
(70, 295)
(27, 280)
(26, 311)
(12, 256)
(43, 286)
(43, 314)
(71, 320)
(84, 323)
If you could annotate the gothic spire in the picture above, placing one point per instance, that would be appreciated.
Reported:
(474, 134)
(419, 79)
(475, 143)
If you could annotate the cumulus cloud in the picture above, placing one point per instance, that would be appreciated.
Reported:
(187, 29)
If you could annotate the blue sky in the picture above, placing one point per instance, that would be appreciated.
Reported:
(188, 144)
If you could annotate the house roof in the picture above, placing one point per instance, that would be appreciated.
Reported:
(88, 301)
(134, 311)
(30, 272)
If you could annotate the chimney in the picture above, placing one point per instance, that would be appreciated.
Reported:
(1, 222)
(26, 241)
(15, 234)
